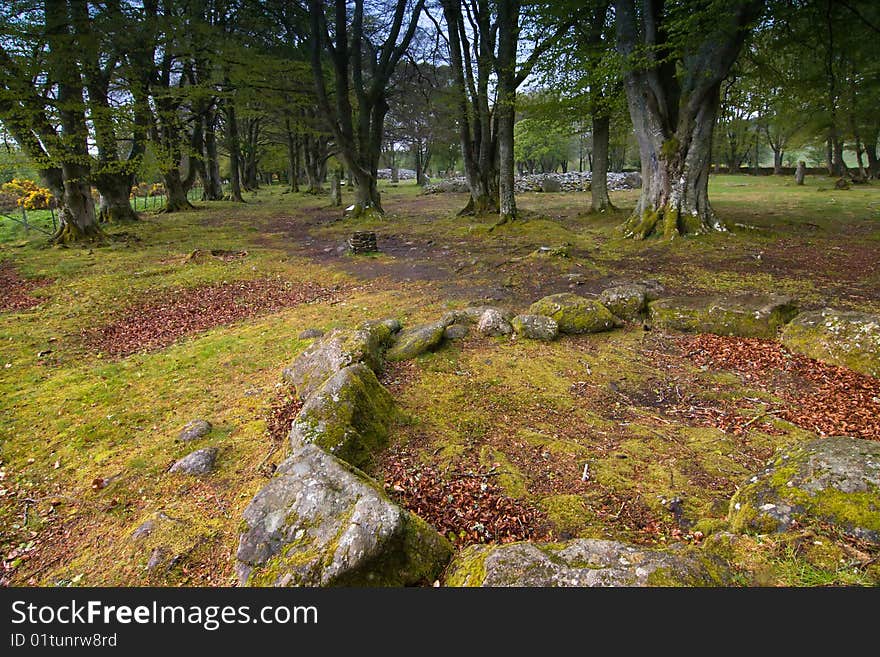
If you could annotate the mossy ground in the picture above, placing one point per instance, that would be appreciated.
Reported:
(87, 440)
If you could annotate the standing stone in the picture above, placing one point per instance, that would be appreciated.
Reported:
(800, 173)
(320, 522)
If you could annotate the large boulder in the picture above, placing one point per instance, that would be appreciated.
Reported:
(536, 327)
(850, 339)
(493, 324)
(744, 315)
(575, 314)
(584, 562)
(834, 481)
(341, 348)
(625, 301)
(321, 522)
(348, 416)
(416, 340)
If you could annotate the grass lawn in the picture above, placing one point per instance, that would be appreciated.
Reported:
(87, 435)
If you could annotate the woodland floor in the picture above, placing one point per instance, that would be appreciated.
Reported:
(107, 351)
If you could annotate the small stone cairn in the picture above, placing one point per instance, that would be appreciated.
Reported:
(363, 242)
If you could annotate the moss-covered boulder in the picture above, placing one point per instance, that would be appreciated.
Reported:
(536, 327)
(849, 339)
(584, 562)
(575, 314)
(745, 315)
(321, 522)
(834, 481)
(627, 302)
(416, 340)
(348, 416)
(341, 348)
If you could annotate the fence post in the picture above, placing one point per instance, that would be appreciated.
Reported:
(27, 228)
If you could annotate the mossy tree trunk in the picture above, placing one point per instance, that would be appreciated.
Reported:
(175, 192)
(77, 213)
(508, 38)
(114, 204)
(673, 91)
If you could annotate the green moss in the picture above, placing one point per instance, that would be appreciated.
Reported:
(469, 567)
(670, 148)
(511, 480)
(569, 514)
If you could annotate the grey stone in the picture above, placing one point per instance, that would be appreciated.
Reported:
(348, 416)
(575, 314)
(341, 348)
(311, 334)
(472, 315)
(536, 327)
(416, 340)
(627, 302)
(199, 462)
(456, 332)
(847, 338)
(321, 522)
(835, 481)
(745, 315)
(584, 563)
(194, 430)
(493, 324)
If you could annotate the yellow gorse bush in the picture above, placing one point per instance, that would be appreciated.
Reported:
(28, 194)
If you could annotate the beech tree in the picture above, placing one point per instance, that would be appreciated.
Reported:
(363, 52)
(676, 55)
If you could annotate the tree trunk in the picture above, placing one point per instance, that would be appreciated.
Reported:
(212, 189)
(675, 172)
(505, 108)
(175, 192)
(778, 153)
(292, 157)
(336, 190)
(600, 202)
(77, 212)
(871, 152)
(114, 205)
(673, 104)
(233, 146)
(829, 156)
(838, 165)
